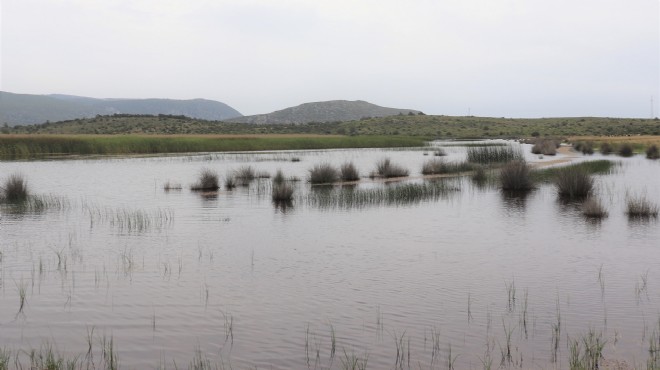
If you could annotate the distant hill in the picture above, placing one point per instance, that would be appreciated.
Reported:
(327, 111)
(22, 109)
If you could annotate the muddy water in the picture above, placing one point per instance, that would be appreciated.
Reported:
(252, 285)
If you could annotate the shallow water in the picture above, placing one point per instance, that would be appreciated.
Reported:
(253, 285)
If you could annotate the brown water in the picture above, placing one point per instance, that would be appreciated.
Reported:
(252, 285)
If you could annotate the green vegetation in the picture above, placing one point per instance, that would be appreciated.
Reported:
(439, 166)
(36, 146)
(652, 152)
(601, 166)
(493, 154)
(626, 150)
(585, 354)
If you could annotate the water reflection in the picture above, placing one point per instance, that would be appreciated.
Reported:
(514, 202)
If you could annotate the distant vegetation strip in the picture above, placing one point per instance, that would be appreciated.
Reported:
(39, 146)
(440, 127)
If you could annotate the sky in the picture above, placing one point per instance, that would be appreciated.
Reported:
(498, 58)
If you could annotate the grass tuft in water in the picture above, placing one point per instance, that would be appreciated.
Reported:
(515, 176)
(323, 173)
(585, 353)
(385, 168)
(207, 180)
(641, 207)
(626, 150)
(593, 208)
(439, 166)
(282, 191)
(244, 175)
(606, 148)
(653, 152)
(573, 183)
(348, 172)
(14, 189)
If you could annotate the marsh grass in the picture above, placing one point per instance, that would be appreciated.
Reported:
(606, 148)
(348, 172)
(593, 208)
(586, 147)
(14, 189)
(438, 166)
(573, 183)
(323, 173)
(244, 175)
(207, 180)
(585, 353)
(282, 191)
(385, 168)
(601, 166)
(169, 186)
(493, 154)
(653, 361)
(398, 195)
(230, 182)
(652, 152)
(641, 207)
(515, 176)
(479, 175)
(38, 204)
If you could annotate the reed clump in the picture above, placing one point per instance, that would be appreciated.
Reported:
(207, 180)
(493, 154)
(641, 207)
(515, 176)
(385, 168)
(653, 152)
(244, 175)
(323, 173)
(230, 182)
(348, 172)
(282, 191)
(573, 182)
(626, 150)
(439, 166)
(593, 208)
(606, 148)
(14, 189)
(545, 147)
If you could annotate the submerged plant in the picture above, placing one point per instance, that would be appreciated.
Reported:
(207, 180)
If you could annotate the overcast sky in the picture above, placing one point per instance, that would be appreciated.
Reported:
(513, 58)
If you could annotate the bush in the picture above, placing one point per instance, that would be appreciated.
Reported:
(606, 148)
(545, 147)
(514, 176)
(626, 150)
(207, 180)
(15, 189)
(386, 169)
(652, 152)
(348, 172)
(323, 174)
(573, 182)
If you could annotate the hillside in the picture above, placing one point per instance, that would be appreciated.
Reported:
(22, 109)
(327, 111)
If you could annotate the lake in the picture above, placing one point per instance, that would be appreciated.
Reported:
(463, 278)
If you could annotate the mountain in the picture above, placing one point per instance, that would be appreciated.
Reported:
(327, 111)
(22, 109)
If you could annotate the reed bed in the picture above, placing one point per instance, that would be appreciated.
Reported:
(439, 166)
(127, 220)
(207, 180)
(35, 146)
(493, 154)
(323, 173)
(641, 207)
(602, 166)
(515, 176)
(397, 195)
(385, 168)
